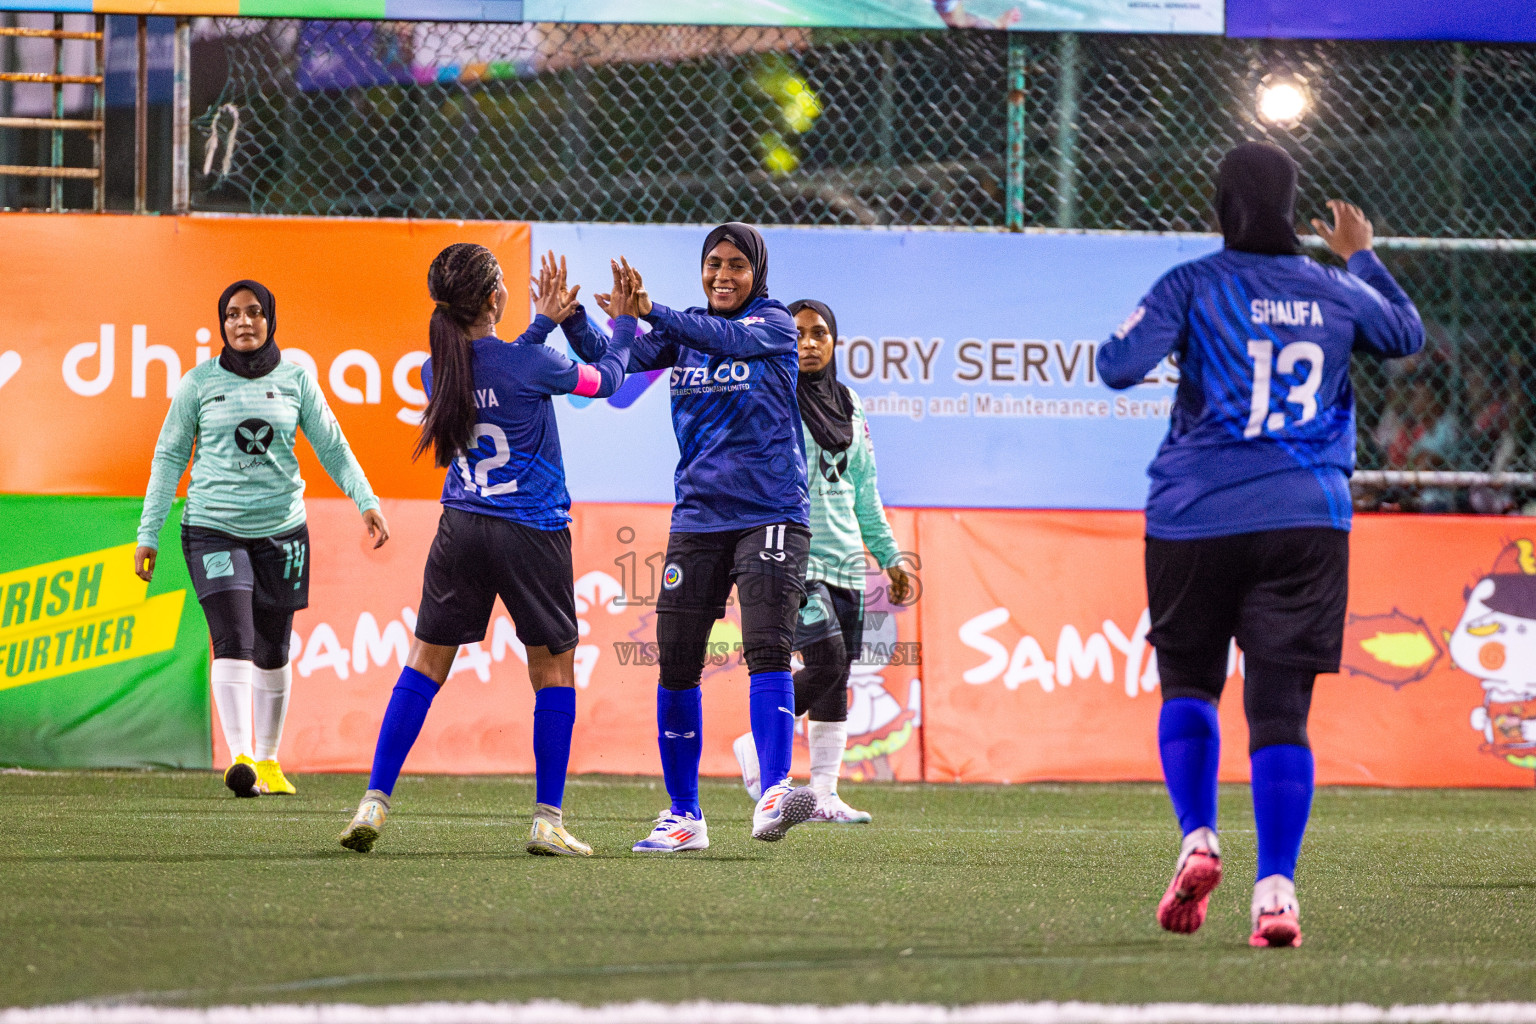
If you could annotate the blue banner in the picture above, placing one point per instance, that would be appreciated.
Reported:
(973, 353)
(1492, 21)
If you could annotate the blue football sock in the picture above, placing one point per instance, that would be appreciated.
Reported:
(408, 706)
(1189, 739)
(772, 705)
(680, 728)
(554, 714)
(1282, 801)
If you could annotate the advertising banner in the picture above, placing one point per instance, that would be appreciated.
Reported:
(1488, 21)
(1168, 16)
(1036, 664)
(100, 669)
(972, 351)
(1163, 16)
(349, 645)
(106, 313)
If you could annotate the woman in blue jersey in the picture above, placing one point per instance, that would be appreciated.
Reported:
(1248, 514)
(490, 423)
(244, 533)
(741, 518)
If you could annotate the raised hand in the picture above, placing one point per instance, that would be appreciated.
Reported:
(637, 287)
(1351, 231)
(551, 297)
(620, 301)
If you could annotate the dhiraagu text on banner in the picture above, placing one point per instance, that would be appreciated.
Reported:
(97, 667)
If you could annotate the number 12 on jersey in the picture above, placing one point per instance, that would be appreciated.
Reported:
(1265, 366)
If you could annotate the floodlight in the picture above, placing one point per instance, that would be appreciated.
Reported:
(1283, 99)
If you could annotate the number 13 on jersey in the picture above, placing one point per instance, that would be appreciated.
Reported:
(1265, 366)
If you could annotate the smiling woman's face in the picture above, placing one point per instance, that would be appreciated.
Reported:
(727, 278)
(245, 325)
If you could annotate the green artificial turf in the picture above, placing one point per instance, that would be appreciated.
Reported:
(161, 887)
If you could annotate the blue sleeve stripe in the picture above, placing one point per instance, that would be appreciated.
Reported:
(1222, 373)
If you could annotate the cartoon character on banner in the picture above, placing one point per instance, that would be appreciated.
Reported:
(1494, 641)
(880, 722)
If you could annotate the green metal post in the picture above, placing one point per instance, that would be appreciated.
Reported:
(56, 192)
(1066, 133)
(1018, 129)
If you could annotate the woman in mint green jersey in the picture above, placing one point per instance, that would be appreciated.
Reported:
(243, 531)
(846, 517)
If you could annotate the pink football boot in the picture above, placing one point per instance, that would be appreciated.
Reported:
(1198, 872)
(1276, 915)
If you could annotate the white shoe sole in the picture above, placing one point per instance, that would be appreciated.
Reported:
(701, 843)
(798, 806)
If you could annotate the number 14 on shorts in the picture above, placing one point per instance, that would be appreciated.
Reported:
(1265, 366)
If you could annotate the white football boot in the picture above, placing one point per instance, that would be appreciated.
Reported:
(675, 833)
(834, 810)
(780, 809)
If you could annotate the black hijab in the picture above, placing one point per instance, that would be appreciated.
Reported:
(752, 246)
(826, 406)
(261, 361)
(1256, 200)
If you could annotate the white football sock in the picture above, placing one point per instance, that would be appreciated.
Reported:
(269, 700)
(745, 749)
(827, 741)
(232, 697)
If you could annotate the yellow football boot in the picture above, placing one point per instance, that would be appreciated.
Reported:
(550, 840)
(271, 779)
(241, 777)
(367, 823)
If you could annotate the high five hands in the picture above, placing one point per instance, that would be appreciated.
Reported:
(1351, 231)
(629, 297)
(551, 297)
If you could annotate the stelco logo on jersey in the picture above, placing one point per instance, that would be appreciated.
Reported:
(727, 372)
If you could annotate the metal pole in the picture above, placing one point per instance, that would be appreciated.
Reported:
(141, 122)
(1458, 199)
(181, 120)
(56, 154)
(885, 120)
(1018, 129)
(99, 115)
(1066, 134)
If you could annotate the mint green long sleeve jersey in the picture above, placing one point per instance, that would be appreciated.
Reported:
(846, 512)
(245, 475)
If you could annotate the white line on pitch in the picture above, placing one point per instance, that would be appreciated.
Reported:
(548, 1012)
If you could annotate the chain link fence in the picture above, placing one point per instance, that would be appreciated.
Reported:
(956, 129)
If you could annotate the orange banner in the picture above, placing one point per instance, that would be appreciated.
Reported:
(101, 315)
(1037, 667)
(1024, 659)
(349, 645)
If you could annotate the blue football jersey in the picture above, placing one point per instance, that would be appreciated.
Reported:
(742, 455)
(515, 469)
(1262, 431)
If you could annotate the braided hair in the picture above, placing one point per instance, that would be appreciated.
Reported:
(460, 280)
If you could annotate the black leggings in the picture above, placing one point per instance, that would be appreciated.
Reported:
(821, 688)
(245, 631)
(1276, 698)
(769, 608)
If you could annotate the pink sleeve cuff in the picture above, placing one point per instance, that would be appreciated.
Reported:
(588, 380)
